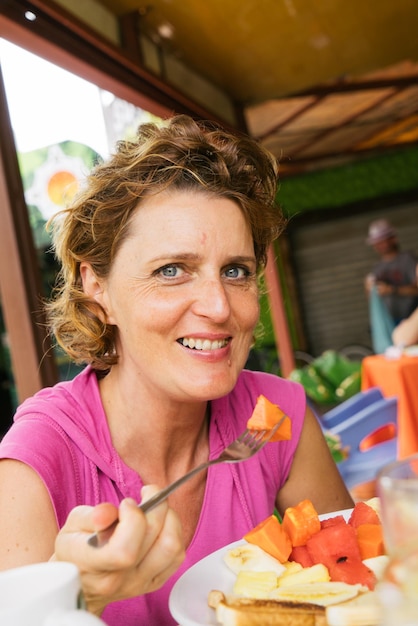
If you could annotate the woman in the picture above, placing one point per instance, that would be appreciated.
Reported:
(159, 296)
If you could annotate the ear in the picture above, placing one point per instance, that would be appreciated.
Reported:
(94, 288)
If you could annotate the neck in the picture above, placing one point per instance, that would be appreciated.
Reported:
(178, 431)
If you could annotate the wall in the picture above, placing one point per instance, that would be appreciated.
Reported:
(331, 260)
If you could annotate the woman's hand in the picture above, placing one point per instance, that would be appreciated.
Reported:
(143, 552)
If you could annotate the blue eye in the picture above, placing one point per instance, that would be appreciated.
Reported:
(169, 270)
(236, 272)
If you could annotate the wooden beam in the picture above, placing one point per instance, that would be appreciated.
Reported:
(19, 275)
(278, 315)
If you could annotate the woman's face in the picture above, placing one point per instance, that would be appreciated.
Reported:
(183, 294)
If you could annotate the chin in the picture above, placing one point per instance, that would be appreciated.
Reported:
(223, 384)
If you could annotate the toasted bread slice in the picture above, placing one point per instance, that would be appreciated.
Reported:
(233, 611)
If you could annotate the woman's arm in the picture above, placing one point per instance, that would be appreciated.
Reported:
(27, 522)
(313, 474)
(139, 557)
(406, 332)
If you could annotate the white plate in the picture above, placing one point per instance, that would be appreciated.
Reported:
(189, 597)
(411, 351)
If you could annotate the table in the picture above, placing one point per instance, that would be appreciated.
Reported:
(397, 377)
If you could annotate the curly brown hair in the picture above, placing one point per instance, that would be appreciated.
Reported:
(180, 154)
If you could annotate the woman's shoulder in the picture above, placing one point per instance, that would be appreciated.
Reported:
(63, 396)
(52, 419)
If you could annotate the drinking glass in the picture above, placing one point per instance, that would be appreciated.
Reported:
(397, 486)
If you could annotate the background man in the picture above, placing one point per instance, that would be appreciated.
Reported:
(395, 273)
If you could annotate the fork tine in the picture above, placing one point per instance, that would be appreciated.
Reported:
(250, 437)
(243, 436)
(256, 436)
(263, 436)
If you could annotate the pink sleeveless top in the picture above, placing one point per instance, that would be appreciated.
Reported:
(62, 433)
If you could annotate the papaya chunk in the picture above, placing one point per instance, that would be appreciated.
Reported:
(266, 415)
(370, 540)
(301, 522)
(272, 538)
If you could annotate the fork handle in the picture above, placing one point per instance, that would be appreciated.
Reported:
(99, 539)
(160, 496)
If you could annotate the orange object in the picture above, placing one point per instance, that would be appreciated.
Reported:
(388, 431)
(272, 538)
(301, 522)
(370, 540)
(397, 377)
(266, 415)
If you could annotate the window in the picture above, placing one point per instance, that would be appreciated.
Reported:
(62, 124)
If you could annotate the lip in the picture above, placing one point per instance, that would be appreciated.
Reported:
(210, 336)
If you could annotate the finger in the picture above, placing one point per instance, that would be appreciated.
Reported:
(136, 532)
(89, 519)
(71, 542)
(103, 515)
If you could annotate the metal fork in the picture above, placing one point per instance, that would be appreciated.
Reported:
(243, 448)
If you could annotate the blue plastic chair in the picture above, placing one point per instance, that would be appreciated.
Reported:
(361, 466)
(350, 407)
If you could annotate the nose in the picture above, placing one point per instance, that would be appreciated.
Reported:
(211, 300)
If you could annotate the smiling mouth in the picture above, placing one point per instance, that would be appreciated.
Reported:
(203, 344)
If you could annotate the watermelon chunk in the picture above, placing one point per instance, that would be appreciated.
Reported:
(334, 543)
(363, 514)
(332, 521)
(352, 571)
(301, 555)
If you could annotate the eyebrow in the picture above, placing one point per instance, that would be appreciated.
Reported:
(191, 256)
(176, 256)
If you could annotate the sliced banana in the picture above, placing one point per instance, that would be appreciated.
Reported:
(377, 564)
(250, 557)
(374, 503)
(321, 593)
(315, 574)
(255, 584)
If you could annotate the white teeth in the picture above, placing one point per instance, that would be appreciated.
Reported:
(203, 344)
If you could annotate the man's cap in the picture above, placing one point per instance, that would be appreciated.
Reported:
(379, 230)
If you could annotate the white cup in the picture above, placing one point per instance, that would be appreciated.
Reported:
(43, 594)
